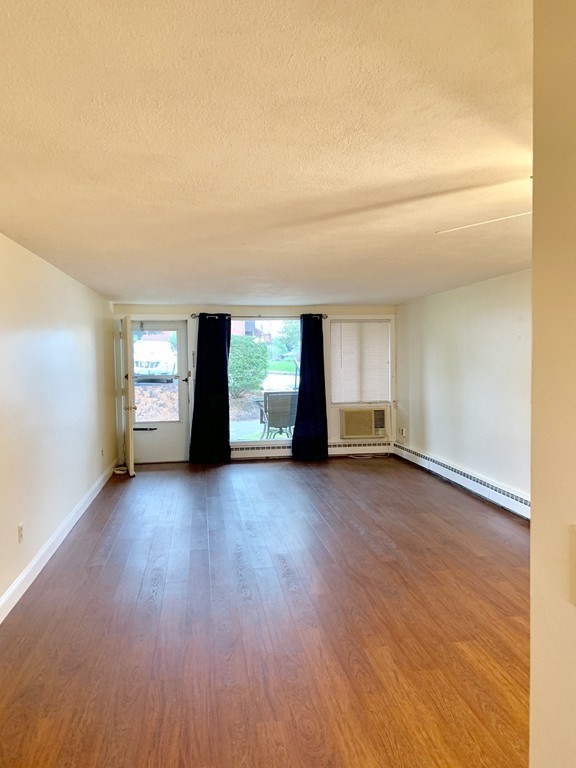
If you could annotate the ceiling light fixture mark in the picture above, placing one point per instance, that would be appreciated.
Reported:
(480, 223)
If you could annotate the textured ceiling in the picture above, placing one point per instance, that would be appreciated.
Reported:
(282, 152)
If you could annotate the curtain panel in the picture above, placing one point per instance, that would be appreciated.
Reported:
(210, 437)
(310, 437)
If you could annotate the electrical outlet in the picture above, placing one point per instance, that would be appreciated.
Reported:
(102, 453)
(402, 431)
(20, 533)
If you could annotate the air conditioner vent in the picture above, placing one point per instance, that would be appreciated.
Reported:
(364, 422)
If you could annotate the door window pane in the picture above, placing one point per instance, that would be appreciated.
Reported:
(156, 390)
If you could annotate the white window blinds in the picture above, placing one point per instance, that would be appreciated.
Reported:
(360, 361)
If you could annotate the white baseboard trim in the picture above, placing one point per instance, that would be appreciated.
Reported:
(504, 497)
(18, 587)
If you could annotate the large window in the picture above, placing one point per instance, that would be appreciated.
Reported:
(263, 378)
(360, 361)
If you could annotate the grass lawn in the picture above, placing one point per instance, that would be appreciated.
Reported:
(281, 366)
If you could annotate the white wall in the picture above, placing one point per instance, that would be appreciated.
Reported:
(463, 379)
(57, 438)
(553, 558)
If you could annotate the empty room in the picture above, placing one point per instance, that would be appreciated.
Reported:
(286, 316)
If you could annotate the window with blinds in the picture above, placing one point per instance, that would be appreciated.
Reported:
(360, 361)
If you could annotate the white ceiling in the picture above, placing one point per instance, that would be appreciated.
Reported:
(282, 152)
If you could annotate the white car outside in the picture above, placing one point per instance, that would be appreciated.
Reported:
(154, 358)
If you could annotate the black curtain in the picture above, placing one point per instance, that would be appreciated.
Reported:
(310, 438)
(210, 439)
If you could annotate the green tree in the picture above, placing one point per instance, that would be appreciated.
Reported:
(247, 365)
(290, 336)
(276, 349)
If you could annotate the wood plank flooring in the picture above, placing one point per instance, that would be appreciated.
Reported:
(358, 612)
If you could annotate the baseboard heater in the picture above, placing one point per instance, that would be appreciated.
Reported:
(503, 497)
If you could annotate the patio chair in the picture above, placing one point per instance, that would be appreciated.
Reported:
(278, 414)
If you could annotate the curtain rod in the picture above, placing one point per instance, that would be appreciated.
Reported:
(265, 317)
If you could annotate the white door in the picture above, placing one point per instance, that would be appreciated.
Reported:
(161, 391)
(128, 396)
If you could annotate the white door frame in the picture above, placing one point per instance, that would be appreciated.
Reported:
(128, 394)
(191, 333)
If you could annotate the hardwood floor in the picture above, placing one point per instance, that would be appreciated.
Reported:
(273, 615)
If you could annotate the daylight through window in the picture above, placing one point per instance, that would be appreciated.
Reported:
(263, 378)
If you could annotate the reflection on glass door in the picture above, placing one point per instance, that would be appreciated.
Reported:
(161, 394)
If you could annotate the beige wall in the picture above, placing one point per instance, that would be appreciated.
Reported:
(157, 310)
(553, 703)
(463, 379)
(56, 404)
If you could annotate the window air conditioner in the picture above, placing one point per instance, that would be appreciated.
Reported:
(364, 422)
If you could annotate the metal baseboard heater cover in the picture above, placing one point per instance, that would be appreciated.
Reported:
(364, 422)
